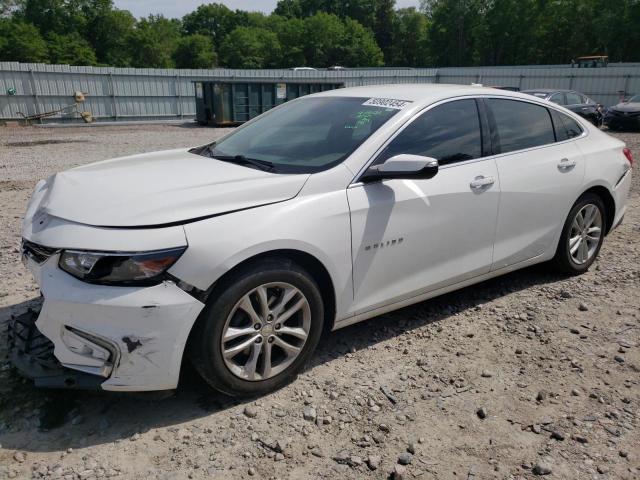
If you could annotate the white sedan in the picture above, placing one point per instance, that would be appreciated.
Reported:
(325, 211)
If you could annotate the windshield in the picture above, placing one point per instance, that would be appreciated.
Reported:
(306, 135)
(634, 99)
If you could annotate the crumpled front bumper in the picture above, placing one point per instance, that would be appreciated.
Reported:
(32, 354)
(124, 338)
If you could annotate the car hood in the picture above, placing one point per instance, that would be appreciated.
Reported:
(627, 107)
(161, 188)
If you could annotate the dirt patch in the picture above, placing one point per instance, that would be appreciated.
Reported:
(15, 185)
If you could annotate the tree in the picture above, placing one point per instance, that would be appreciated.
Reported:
(359, 47)
(288, 9)
(153, 42)
(47, 15)
(566, 31)
(109, 34)
(70, 49)
(450, 23)
(409, 46)
(62, 16)
(214, 20)
(251, 47)
(503, 31)
(364, 11)
(290, 32)
(195, 51)
(323, 34)
(383, 26)
(21, 42)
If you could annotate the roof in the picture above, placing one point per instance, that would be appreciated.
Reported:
(420, 93)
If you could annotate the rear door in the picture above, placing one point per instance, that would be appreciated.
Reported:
(541, 173)
(414, 236)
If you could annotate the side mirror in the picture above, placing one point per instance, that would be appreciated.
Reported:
(403, 166)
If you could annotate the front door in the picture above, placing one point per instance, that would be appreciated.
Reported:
(413, 236)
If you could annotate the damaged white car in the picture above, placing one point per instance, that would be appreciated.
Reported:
(323, 212)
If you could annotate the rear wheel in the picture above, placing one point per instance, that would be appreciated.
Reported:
(582, 235)
(259, 330)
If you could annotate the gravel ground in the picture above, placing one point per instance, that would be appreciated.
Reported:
(530, 374)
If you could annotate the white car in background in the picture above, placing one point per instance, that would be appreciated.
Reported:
(328, 210)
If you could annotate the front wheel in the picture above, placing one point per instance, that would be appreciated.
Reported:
(259, 330)
(582, 235)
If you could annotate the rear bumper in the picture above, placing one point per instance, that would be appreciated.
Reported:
(620, 195)
(112, 338)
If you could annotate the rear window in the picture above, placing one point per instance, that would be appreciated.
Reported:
(565, 126)
(520, 125)
(574, 99)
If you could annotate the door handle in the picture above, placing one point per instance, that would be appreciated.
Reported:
(481, 182)
(565, 164)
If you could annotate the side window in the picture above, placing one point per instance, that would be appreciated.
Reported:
(520, 125)
(449, 133)
(573, 98)
(566, 127)
(557, 98)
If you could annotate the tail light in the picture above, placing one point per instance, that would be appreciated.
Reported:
(629, 155)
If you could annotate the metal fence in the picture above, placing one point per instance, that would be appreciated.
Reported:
(148, 94)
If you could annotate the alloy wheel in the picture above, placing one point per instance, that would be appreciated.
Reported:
(266, 331)
(585, 234)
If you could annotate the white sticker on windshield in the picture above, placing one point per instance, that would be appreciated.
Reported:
(387, 103)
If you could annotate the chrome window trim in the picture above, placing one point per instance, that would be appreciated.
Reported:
(549, 105)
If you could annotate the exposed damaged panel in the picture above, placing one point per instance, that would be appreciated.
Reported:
(132, 343)
(33, 355)
(134, 337)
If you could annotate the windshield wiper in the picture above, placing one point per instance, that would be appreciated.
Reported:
(242, 160)
(209, 151)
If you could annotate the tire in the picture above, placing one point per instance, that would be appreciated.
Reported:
(284, 285)
(576, 258)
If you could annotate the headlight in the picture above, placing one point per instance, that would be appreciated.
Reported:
(145, 268)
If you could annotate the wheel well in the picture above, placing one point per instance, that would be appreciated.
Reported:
(311, 264)
(609, 204)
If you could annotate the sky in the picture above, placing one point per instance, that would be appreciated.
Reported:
(177, 8)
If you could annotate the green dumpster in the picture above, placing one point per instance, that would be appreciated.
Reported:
(224, 104)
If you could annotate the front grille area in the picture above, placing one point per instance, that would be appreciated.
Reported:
(31, 351)
(38, 253)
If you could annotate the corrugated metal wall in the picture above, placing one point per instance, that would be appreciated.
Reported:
(143, 94)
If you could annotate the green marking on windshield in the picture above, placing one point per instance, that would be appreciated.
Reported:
(364, 117)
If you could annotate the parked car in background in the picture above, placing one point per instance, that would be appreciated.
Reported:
(303, 69)
(624, 115)
(575, 101)
(510, 89)
(324, 211)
